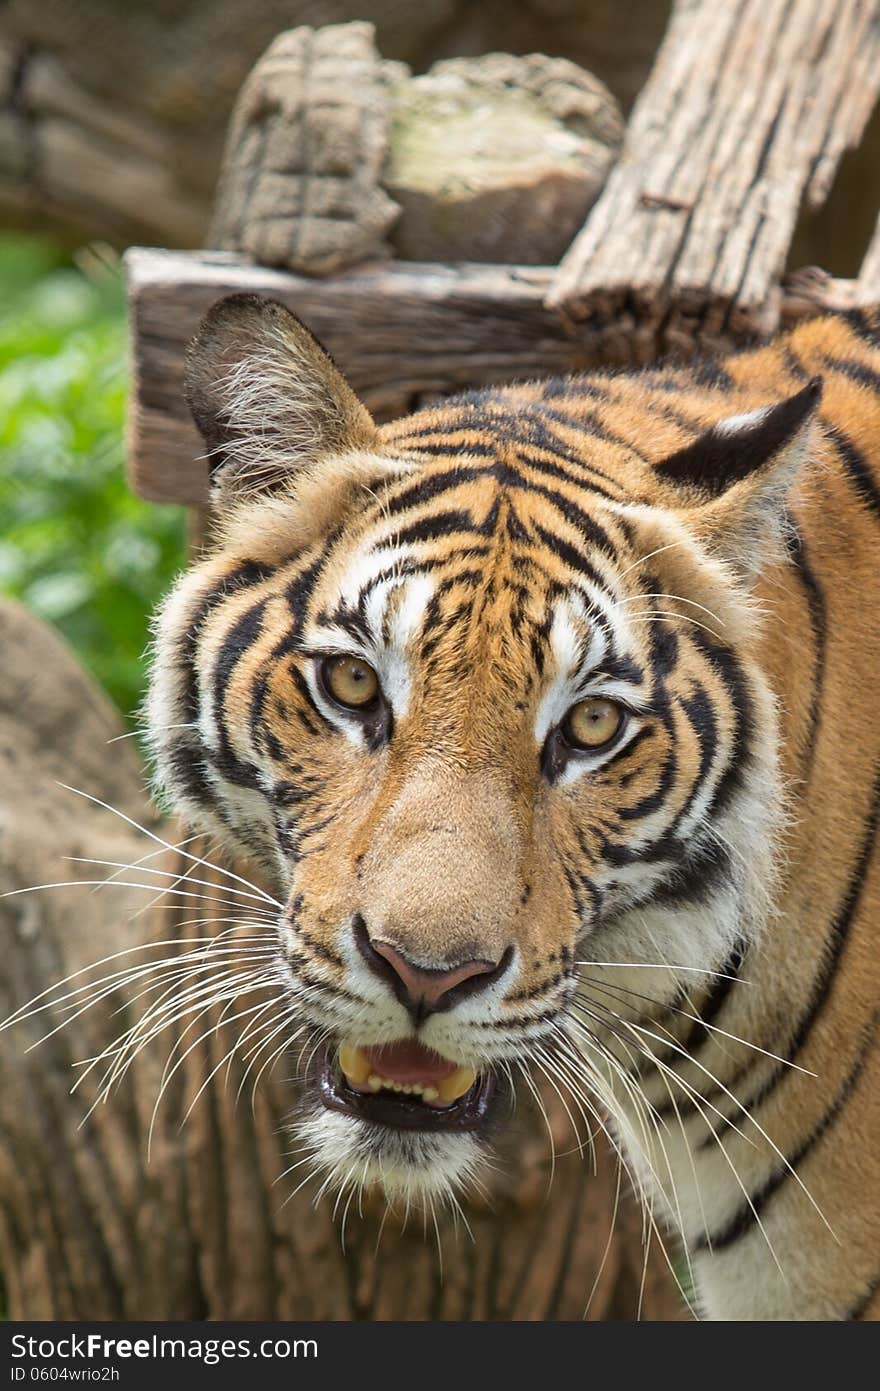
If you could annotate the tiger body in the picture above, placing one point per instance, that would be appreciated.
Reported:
(681, 926)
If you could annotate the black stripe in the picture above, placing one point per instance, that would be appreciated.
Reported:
(588, 424)
(652, 801)
(578, 479)
(469, 449)
(237, 642)
(574, 387)
(603, 780)
(428, 488)
(619, 667)
(507, 476)
(582, 521)
(708, 1011)
(188, 776)
(816, 605)
(696, 879)
(569, 555)
(706, 860)
(636, 386)
(423, 565)
(664, 647)
(291, 794)
(707, 371)
(434, 526)
(244, 576)
(744, 1220)
(793, 364)
(299, 592)
(836, 941)
(682, 380)
(453, 422)
(700, 714)
(728, 669)
(865, 323)
(658, 852)
(716, 999)
(856, 371)
(856, 468)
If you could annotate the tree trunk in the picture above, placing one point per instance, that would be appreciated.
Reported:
(208, 1226)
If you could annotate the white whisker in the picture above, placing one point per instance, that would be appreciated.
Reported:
(196, 859)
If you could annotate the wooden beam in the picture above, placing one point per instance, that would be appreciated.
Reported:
(398, 331)
(401, 332)
(746, 114)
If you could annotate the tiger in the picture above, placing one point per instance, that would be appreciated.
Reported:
(530, 704)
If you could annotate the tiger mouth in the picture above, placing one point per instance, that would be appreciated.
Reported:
(405, 1086)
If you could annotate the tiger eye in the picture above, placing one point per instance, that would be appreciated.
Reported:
(350, 681)
(593, 723)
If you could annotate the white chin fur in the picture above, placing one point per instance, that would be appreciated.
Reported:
(408, 1165)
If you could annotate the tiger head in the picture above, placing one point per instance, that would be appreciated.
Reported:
(482, 693)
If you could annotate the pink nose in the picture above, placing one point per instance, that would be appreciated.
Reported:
(425, 991)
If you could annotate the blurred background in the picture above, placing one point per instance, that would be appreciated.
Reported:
(76, 545)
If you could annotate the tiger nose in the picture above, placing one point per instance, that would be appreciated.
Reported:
(422, 990)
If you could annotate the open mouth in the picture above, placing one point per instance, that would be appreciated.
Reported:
(405, 1086)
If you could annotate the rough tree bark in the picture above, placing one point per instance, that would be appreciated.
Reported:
(89, 1228)
(747, 113)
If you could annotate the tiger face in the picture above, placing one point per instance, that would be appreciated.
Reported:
(481, 692)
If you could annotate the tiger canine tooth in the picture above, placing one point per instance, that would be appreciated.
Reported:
(354, 1064)
(456, 1084)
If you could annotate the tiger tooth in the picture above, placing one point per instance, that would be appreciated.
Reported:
(356, 1067)
(354, 1064)
(456, 1084)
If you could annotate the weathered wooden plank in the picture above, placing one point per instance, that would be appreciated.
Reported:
(397, 331)
(748, 109)
(400, 332)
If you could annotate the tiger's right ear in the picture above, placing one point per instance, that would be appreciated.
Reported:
(734, 479)
(267, 398)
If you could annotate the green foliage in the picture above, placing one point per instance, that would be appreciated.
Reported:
(75, 545)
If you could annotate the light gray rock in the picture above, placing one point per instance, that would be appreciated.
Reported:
(334, 156)
(498, 158)
(300, 181)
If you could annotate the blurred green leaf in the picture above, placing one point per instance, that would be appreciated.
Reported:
(75, 544)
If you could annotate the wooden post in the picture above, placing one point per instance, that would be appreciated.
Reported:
(748, 110)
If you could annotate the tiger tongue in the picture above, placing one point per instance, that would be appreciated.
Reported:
(409, 1062)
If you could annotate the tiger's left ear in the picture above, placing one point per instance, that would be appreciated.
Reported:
(737, 475)
(267, 398)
